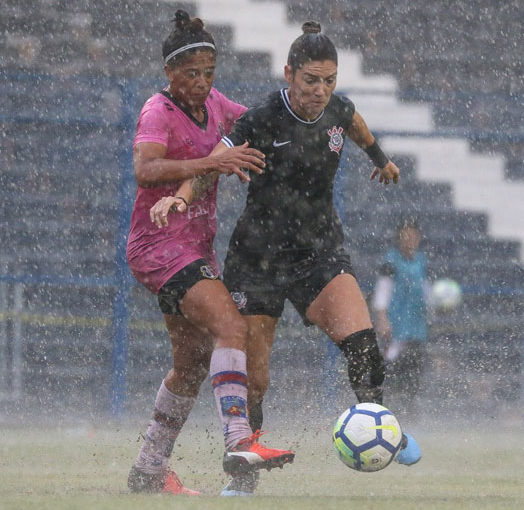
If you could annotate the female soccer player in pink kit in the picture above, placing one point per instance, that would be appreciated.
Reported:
(176, 130)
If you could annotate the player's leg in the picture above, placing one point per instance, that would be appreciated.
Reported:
(173, 403)
(408, 372)
(261, 332)
(414, 367)
(393, 358)
(340, 310)
(208, 305)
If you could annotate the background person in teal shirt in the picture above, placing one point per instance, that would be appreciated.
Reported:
(400, 305)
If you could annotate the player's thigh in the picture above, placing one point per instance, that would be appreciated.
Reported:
(209, 307)
(340, 309)
(261, 334)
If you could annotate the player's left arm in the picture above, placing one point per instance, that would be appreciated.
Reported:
(385, 169)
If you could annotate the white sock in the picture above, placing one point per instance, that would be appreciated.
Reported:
(229, 379)
(170, 414)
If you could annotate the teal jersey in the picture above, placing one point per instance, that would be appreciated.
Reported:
(407, 310)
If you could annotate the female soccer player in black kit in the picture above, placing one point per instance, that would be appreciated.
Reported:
(288, 242)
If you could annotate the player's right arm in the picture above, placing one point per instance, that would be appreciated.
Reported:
(200, 184)
(192, 189)
(152, 168)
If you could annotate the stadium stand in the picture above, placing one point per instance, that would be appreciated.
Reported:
(64, 69)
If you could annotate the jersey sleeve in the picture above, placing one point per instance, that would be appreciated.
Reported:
(231, 111)
(383, 293)
(151, 126)
(347, 109)
(242, 130)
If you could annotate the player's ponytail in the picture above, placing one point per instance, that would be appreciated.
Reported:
(311, 45)
(188, 36)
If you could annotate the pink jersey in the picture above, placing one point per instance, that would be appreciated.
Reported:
(155, 255)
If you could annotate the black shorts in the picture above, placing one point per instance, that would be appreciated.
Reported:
(173, 291)
(260, 283)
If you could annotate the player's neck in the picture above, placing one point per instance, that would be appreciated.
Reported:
(298, 110)
(407, 253)
(198, 112)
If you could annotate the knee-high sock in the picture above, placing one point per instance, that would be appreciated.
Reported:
(229, 380)
(170, 414)
(365, 365)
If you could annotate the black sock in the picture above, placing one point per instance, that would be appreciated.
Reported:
(365, 365)
(256, 416)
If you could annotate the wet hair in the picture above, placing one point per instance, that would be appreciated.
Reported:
(408, 222)
(310, 46)
(188, 36)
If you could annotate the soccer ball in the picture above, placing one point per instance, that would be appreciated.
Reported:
(367, 437)
(446, 294)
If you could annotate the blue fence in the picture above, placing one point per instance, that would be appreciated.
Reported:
(62, 112)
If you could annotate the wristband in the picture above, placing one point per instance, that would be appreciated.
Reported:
(183, 200)
(376, 155)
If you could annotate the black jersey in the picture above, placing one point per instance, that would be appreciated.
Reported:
(290, 206)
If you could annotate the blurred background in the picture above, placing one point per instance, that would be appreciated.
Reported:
(439, 83)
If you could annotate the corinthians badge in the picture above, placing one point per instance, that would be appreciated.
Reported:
(336, 139)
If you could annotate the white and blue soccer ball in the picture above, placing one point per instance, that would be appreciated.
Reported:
(367, 437)
(446, 294)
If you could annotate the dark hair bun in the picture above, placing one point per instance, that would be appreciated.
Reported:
(181, 19)
(183, 22)
(311, 27)
(187, 31)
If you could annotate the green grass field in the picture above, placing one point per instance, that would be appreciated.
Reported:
(86, 468)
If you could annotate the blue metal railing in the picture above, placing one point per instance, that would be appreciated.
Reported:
(123, 277)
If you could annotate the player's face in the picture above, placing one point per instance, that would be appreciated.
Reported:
(190, 80)
(311, 86)
(409, 240)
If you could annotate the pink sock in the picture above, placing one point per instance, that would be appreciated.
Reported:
(171, 412)
(229, 379)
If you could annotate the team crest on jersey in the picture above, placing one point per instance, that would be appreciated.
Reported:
(209, 272)
(240, 299)
(336, 140)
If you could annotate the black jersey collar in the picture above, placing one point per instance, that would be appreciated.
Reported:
(285, 99)
(202, 125)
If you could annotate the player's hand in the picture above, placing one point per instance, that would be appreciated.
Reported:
(158, 213)
(389, 173)
(238, 159)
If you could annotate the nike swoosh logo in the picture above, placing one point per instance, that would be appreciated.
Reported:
(387, 427)
(279, 144)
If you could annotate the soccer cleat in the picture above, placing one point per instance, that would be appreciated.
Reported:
(169, 483)
(173, 485)
(409, 453)
(243, 484)
(250, 455)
